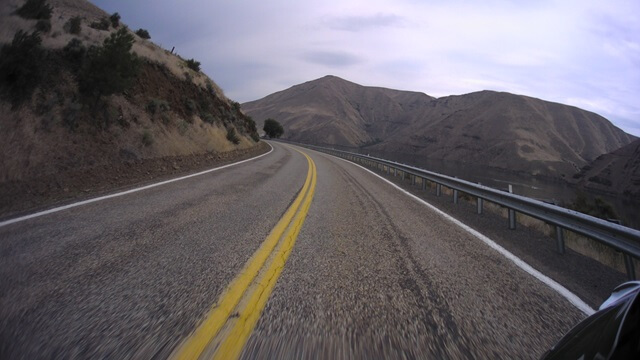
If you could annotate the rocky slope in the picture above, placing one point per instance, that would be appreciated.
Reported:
(56, 132)
(486, 128)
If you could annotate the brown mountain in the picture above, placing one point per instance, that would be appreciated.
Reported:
(486, 128)
(334, 111)
(617, 172)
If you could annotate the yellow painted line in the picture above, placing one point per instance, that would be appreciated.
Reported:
(231, 347)
(291, 222)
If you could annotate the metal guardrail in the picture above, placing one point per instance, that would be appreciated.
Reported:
(621, 238)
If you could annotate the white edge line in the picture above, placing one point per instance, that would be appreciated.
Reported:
(65, 207)
(571, 297)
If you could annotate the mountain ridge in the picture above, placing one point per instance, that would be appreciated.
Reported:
(490, 128)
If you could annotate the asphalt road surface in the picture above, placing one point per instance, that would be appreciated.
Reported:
(373, 273)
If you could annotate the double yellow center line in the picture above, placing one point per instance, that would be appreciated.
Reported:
(229, 324)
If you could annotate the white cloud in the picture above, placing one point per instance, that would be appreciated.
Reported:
(585, 53)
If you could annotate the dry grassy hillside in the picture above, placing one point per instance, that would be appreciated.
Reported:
(508, 131)
(617, 172)
(487, 128)
(333, 111)
(56, 131)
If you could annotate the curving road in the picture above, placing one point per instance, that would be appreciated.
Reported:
(373, 273)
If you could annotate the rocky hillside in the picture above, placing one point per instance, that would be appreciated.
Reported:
(80, 92)
(617, 172)
(494, 129)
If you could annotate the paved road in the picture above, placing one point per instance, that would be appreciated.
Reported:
(372, 273)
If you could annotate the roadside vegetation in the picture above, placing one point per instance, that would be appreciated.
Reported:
(144, 34)
(110, 68)
(272, 128)
(193, 65)
(35, 9)
(73, 25)
(85, 83)
(21, 69)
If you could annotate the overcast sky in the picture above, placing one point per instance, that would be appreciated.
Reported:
(584, 53)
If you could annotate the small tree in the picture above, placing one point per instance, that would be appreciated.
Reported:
(21, 66)
(35, 9)
(193, 65)
(115, 20)
(102, 24)
(232, 136)
(143, 34)
(272, 128)
(110, 68)
(72, 25)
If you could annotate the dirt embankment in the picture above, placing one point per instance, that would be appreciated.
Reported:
(19, 197)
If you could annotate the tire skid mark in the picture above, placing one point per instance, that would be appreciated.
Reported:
(412, 274)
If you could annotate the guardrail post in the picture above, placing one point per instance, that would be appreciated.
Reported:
(455, 196)
(512, 219)
(628, 263)
(479, 204)
(413, 180)
(424, 184)
(622, 239)
(560, 239)
(512, 213)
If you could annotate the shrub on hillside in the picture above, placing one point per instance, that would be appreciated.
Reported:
(72, 25)
(102, 24)
(272, 128)
(74, 50)
(143, 34)
(20, 66)
(210, 88)
(232, 136)
(115, 20)
(208, 118)
(35, 9)
(251, 128)
(183, 126)
(110, 68)
(147, 138)
(191, 106)
(193, 65)
(157, 106)
(43, 26)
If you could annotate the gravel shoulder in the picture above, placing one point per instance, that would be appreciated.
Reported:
(22, 197)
